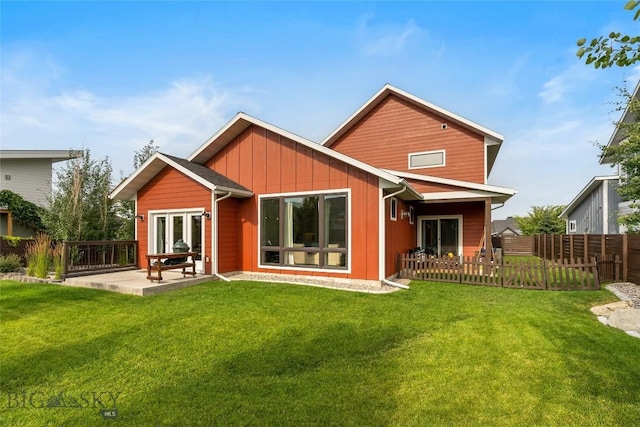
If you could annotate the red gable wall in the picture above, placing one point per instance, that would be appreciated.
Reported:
(170, 190)
(268, 163)
(395, 128)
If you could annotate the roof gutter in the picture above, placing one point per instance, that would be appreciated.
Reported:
(381, 240)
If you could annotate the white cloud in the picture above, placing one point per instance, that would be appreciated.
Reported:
(178, 117)
(384, 39)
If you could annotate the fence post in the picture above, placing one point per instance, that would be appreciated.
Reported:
(65, 259)
(603, 244)
(585, 243)
(625, 257)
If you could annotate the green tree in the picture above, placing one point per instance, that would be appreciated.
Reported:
(617, 49)
(126, 208)
(542, 220)
(80, 208)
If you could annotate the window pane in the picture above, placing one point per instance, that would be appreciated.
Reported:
(301, 221)
(271, 257)
(335, 259)
(335, 230)
(161, 227)
(426, 159)
(196, 235)
(300, 258)
(178, 222)
(270, 222)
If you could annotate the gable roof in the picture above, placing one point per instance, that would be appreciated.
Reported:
(586, 191)
(470, 189)
(499, 226)
(242, 121)
(618, 135)
(210, 179)
(492, 139)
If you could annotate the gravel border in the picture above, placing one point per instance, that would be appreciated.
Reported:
(626, 291)
(366, 286)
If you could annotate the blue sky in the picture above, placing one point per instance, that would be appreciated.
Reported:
(110, 76)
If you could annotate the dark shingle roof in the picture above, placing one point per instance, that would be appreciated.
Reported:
(500, 225)
(204, 172)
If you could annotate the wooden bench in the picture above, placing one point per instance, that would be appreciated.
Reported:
(160, 265)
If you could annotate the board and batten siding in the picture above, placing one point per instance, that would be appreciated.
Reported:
(229, 249)
(171, 190)
(394, 128)
(400, 236)
(268, 163)
(590, 214)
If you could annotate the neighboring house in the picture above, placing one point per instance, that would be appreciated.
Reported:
(618, 137)
(398, 174)
(505, 227)
(595, 209)
(28, 174)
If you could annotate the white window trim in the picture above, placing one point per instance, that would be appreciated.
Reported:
(306, 193)
(444, 159)
(573, 226)
(393, 209)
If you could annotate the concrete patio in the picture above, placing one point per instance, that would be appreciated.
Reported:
(134, 282)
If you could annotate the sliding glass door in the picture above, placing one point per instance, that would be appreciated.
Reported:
(440, 236)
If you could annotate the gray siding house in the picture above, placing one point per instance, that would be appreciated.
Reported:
(28, 173)
(595, 209)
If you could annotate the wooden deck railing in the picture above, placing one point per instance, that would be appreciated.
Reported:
(82, 258)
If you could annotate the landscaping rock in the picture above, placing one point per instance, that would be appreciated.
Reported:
(606, 310)
(627, 319)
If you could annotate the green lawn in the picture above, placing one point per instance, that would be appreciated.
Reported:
(247, 353)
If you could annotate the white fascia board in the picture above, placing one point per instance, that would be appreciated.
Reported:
(223, 130)
(595, 181)
(297, 138)
(468, 194)
(387, 88)
(455, 183)
(134, 176)
(53, 155)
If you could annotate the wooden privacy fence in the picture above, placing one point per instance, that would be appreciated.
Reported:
(535, 273)
(626, 246)
(82, 258)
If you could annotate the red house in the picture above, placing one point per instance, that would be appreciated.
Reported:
(399, 173)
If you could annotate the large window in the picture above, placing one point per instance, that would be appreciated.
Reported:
(308, 231)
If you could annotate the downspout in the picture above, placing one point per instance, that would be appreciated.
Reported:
(383, 221)
(215, 231)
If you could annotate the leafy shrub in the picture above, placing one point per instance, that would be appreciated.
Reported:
(9, 263)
